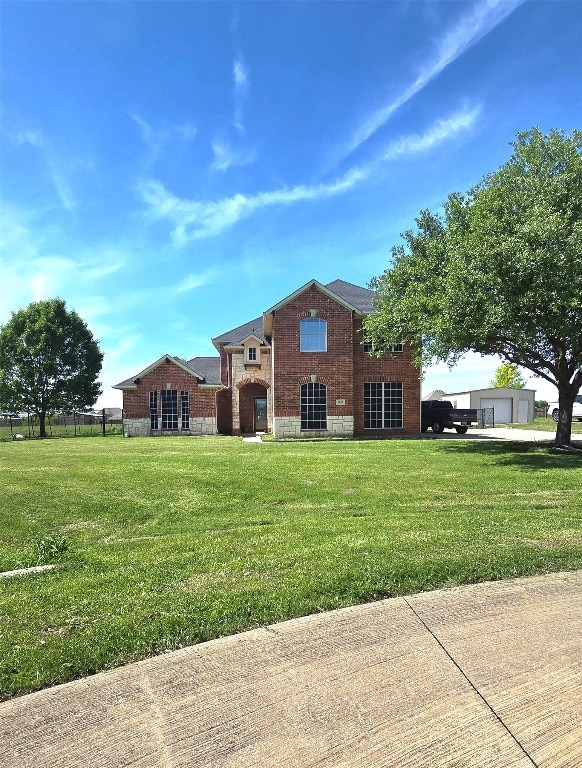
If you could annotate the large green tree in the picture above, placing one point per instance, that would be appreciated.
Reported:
(49, 361)
(498, 272)
(508, 375)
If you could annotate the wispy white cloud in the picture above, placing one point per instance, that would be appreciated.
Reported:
(225, 154)
(147, 133)
(436, 134)
(240, 75)
(98, 312)
(470, 28)
(157, 138)
(28, 136)
(126, 342)
(58, 166)
(226, 157)
(103, 268)
(152, 138)
(193, 281)
(187, 131)
(194, 220)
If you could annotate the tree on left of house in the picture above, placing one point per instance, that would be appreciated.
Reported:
(49, 361)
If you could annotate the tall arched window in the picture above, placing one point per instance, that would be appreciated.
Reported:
(313, 406)
(313, 335)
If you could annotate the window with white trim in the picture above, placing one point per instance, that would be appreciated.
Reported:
(252, 355)
(313, 406)
(185, 409)
(153, 410)
(383, 405)
(313, 335)
(169, 409)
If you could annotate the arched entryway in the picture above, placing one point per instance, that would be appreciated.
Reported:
(253, 414)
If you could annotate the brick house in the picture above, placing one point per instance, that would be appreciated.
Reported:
(300, 370)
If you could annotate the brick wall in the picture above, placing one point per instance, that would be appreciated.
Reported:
(136, 403)
(224, 412)
(343, 368)
(225, 367)
(391, 367)
(332, 368)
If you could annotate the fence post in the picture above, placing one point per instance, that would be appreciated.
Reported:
(103, 420)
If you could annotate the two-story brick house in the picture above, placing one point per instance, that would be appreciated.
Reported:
(301, 369)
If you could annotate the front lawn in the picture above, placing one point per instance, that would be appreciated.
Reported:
(547, 424)
(165, 542)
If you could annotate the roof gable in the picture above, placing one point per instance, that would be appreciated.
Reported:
(351, 297)
(312, 283)
(251, 337)
(132, 383)
(236, 336)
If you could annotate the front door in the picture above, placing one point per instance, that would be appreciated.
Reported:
(260, 414)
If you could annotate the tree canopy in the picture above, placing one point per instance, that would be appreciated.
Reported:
(49, 361)
(498, 271)
(508, 375)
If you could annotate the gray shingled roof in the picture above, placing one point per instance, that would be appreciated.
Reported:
(360, 298)
(125, 384)
(236, 335)
(209, 367)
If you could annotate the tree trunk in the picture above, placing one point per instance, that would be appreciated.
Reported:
(566, 397)
(41, 424)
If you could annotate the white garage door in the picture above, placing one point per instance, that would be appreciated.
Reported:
(502, 407)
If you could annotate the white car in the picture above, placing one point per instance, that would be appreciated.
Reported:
(553, 409)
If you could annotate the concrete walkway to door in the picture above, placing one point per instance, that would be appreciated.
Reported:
(488, 675)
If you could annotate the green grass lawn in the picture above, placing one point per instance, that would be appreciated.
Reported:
(173, 541)
(548, 425)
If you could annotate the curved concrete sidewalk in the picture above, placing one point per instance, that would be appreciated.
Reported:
(483, 675)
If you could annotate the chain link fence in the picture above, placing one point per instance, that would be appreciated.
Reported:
(107, 422)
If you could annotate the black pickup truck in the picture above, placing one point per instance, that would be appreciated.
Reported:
(440, 415)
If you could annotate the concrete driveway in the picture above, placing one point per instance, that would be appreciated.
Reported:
(499, 433)
(488, 675)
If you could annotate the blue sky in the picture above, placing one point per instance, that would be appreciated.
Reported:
(172, 169)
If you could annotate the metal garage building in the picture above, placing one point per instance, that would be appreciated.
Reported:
(511, 406)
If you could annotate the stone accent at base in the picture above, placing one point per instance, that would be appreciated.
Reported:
(290, 426)
(202, 425)
(136, 427)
